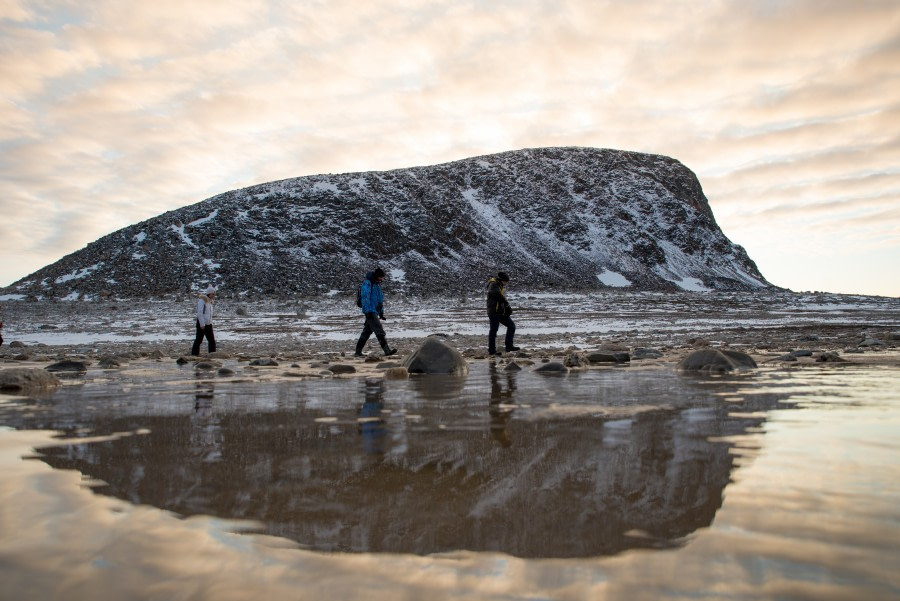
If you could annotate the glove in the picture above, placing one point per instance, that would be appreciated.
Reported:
(381, 316)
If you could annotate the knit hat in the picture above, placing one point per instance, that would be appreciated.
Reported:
(502, 276)
(378, 273)
(210, 290)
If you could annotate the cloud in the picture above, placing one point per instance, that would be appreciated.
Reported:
(114, 112)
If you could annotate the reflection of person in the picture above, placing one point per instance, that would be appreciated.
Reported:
(371, 421)
(372, 298)
(500, 416)
(205, 429)
(204, 322)
(499, 311)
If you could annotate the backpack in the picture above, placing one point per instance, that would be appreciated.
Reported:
(359, 295)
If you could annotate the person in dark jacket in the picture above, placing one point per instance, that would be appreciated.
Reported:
(499, 311)
(372, 298)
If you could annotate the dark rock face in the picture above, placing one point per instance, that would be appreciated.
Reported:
(554, 218)
(436, 357)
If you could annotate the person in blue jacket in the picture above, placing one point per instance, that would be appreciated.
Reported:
(372, 300)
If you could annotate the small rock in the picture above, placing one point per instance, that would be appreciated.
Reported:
(16, 344)
(716, 361)
(830, 357)
(396, 373)
(553, 367)
(575, 360)
(871, 342)
(207, 365)
(68, 366)
(264, 362)
(802, 353)
(646, 353)
(341, 368)
(596, 357)
(108, 362)
(513, 366)
(224, 371)
(387, 365)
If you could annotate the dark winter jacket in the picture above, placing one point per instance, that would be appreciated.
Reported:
(496, 298)
(372, 296)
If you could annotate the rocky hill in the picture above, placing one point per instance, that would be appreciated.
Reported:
(553, 218)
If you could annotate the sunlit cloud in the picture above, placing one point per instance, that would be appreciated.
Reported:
(114, 112)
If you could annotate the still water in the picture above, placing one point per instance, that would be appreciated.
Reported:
(620, 483)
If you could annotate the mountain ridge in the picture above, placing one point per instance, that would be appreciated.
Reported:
(574, 219)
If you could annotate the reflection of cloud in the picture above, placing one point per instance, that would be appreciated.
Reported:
(122, 111)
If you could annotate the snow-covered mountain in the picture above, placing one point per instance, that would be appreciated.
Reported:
(553, 218)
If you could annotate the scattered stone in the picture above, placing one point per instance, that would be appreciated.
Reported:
(264, 362)
(808, 338)
(387, 365)
(372, 359)
(869, 341)
(396, 373)
(22, 357)
(802, 353)
(16, 344)
(551, 368)
(26, 379)
(436, 357)
(716, 361)
(342, 368)
(108, 362)
(207, 365)
(575, 360)
(224, 371)
(220, 355)
(830, 357)
(157, 354)
(68, 366)
(513, 366)
(787, 357)
(597, 357)
(646, 353)
(698, 342)
(242, 311)
(186, 359)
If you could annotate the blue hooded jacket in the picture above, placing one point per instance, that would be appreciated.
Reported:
(372, 295)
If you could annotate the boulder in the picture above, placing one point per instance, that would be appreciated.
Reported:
(341, 368)
(647, 353)
(396, 373)
(24, 379)
(436, 357)
(716, 361)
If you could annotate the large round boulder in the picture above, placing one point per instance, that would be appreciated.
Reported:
(23, 379)
(436, 357)
(716, 361)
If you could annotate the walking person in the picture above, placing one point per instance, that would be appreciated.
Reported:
(372, 303)
(499, 311)
(204, 322)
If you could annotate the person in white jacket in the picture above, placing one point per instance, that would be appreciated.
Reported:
(204, 322)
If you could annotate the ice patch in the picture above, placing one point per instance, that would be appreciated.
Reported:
(691, 285)
(203, 220)
(326, 187)
(77, 274)
(398, 275)
(179, 229)
(138, 238)
(211, 265)
(611, 278)
(12, 297)
(138, 256)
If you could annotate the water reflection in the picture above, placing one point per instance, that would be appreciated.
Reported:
(502, 461)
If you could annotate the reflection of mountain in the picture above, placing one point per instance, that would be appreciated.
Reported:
(491, 479)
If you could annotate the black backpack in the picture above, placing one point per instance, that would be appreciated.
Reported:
(359, 296)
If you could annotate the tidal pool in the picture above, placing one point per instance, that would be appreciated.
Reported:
(153, 483)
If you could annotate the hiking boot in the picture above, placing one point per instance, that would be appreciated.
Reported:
(512, 349)
(390, 351)
(358, 354)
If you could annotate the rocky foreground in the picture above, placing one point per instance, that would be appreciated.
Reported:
(315, 338)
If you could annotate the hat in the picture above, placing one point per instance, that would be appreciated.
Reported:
(378, 273)
(210, 290)
(502, 276)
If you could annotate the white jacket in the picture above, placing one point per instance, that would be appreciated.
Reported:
(204, 310)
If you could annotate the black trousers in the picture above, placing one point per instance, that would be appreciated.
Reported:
(496, 320)
(202, 333)
(373, 326)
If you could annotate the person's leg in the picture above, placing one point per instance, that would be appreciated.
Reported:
(195, 350)
(492, 333)
(363, 338)
(376, 326)
(510, 332)
(210, 339)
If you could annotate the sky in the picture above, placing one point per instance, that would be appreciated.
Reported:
(113, 112)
